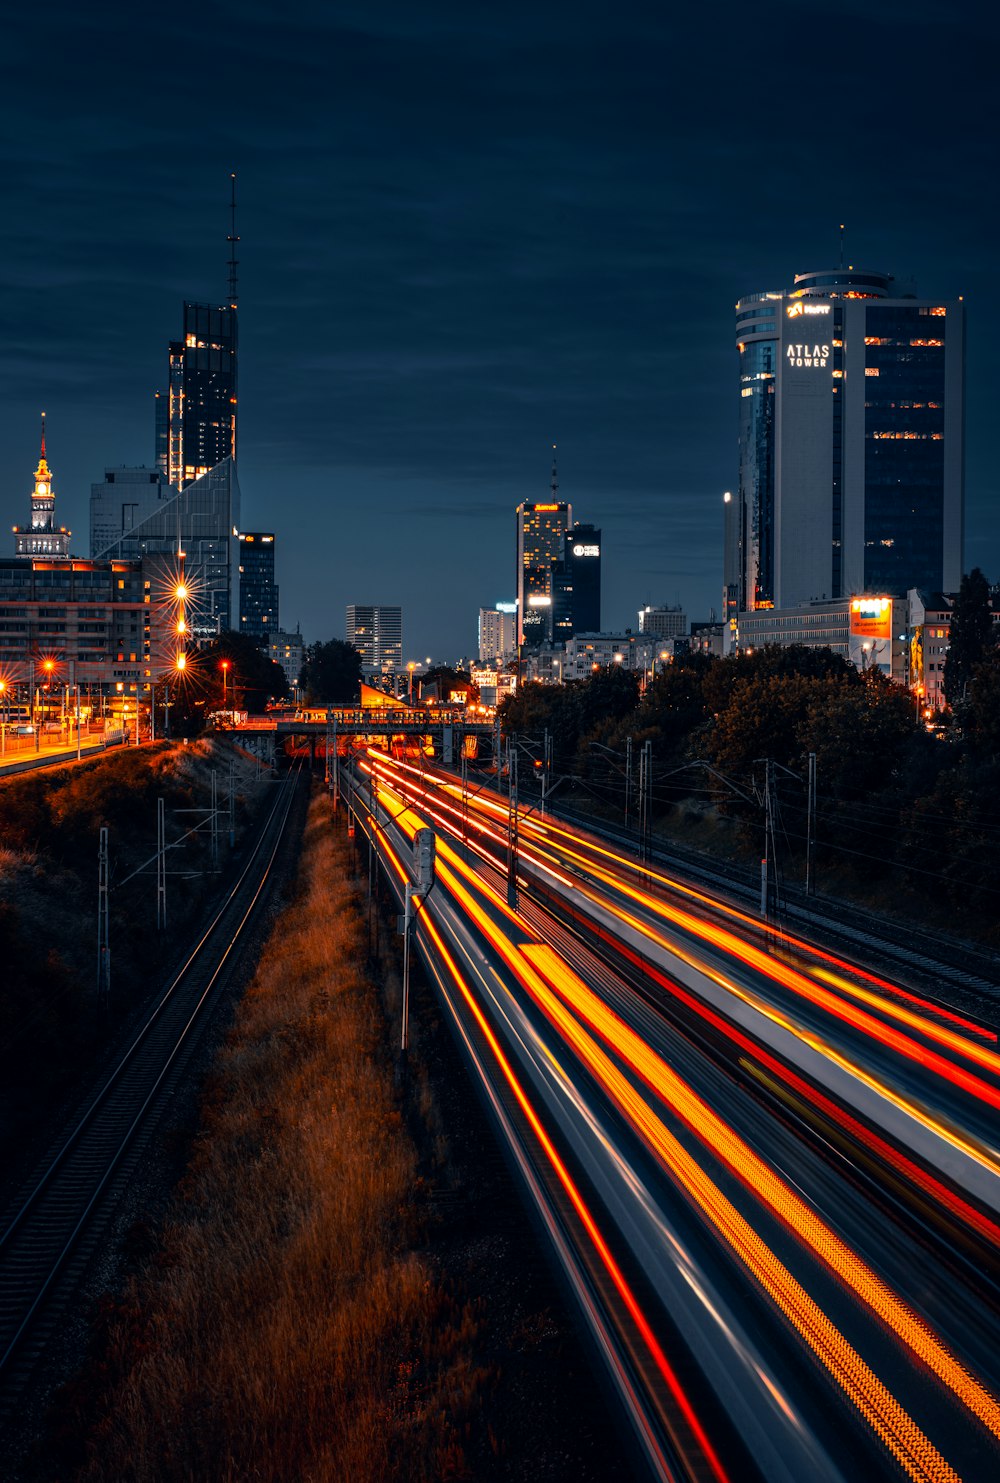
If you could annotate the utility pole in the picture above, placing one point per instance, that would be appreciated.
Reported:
(767, 864)
(424, 853)
(465, 797)
(335, 763)
(811, 828)
(161, 867)
(646, 801)
(215, 818)
(232, 803)
(546, 770)
(496, 748)
(628, 781)
(512, 835)
(103, 943)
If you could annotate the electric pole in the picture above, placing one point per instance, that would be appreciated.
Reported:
(103, 943)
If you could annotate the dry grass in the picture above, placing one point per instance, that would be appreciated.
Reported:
(287, 1329)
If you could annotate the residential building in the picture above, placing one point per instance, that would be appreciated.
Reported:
(497, 633)
(288, 650)
(42, 537)
(258, 593)
(929, 627)
(376, 632)
(851, 433)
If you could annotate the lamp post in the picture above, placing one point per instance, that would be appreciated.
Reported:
(411, 667)
(3, 723)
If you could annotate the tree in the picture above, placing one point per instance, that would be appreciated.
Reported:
(249, 680)
(331, 674)
(970, 635)
(443, 680)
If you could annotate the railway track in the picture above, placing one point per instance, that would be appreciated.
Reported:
(55, 1228)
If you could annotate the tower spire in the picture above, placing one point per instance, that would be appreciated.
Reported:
(842, 229)
(232, 239)
(555, 477)
(43, 437)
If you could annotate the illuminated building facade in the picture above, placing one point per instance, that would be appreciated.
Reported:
(93, 623)
(576, 584)
(664, 623)
(258, 593)
(288, 650)
(196, 414)
(851, 435)
(135, 514)
(497, 633)
(541, 546)
(42, 537)
(377, 634)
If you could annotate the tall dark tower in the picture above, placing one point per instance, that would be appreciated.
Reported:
(196, 415)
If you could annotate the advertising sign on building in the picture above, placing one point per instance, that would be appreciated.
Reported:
(871, 617)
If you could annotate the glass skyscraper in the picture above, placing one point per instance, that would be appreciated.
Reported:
(851, 436)
(541, 545)
(258, 593)
(196, 415)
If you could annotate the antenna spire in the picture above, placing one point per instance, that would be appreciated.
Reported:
(842, 244)
(232, 239)
(43, 437)
(555, 477)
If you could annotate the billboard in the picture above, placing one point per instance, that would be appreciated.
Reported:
(871, 617)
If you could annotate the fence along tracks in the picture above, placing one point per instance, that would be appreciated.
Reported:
(51, 1235)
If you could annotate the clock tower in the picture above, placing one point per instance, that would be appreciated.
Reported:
(42, 537)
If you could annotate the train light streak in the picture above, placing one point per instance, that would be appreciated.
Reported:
(581, 1209)
(890, 1421)
(760, 1179)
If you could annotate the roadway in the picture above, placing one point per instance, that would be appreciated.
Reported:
(769, 1174)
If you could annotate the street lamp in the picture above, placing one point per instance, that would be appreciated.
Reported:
(411, 666)
(224, 666)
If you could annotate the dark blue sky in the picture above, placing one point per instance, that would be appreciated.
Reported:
(468, 234)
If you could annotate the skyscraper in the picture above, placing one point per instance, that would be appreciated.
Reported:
(42, 537)
(576, 584)
(196, 415)
(258, 593)
(134, 514)
(377, 634)
(851, 443)
(541, 544)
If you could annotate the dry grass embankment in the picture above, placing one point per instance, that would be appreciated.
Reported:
(50, 820)
(288, 1329)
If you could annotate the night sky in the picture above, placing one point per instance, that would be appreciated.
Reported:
(470, 232)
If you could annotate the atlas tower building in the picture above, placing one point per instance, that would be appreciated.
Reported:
(541, 545)
(851, 438)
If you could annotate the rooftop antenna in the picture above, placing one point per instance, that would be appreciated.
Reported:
(43, 437)
(555, 478)
(232, 239)
(841, 244)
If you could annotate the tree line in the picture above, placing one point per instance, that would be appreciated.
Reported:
(903, 810)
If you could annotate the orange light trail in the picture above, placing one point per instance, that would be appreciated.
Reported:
(873, 1400)
(583, 1213)
(758, 1177)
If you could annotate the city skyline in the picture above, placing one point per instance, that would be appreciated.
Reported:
(425, 310)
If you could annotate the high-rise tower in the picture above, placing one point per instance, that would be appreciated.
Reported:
(42, 537)
(851, 443)
(196, 415)
(541, 543)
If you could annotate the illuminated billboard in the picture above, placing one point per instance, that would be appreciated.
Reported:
(871, 617)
